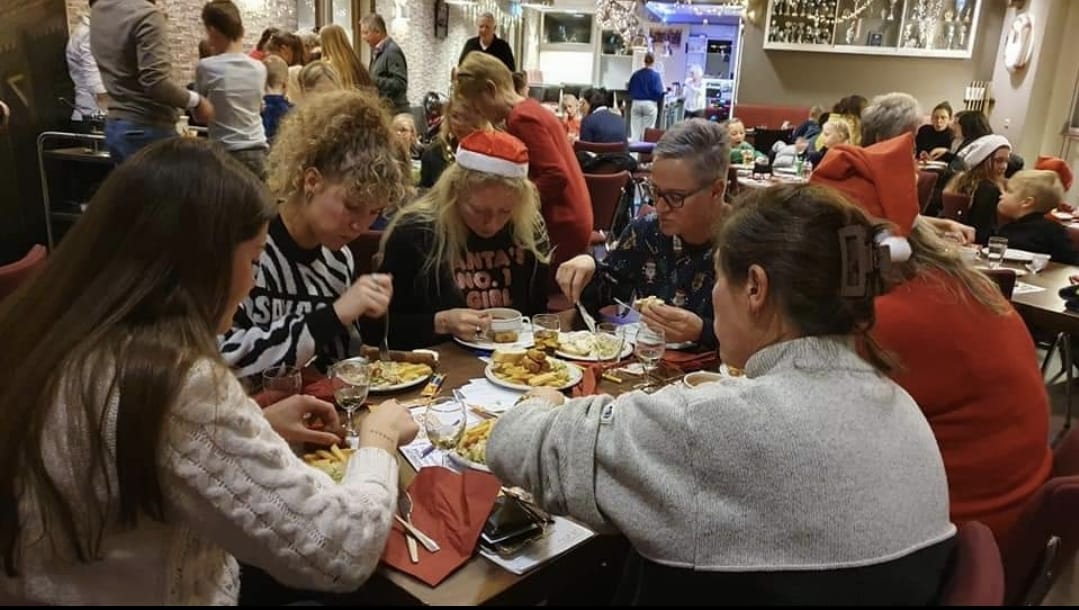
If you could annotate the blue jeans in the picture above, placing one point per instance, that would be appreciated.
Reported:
(125, 138)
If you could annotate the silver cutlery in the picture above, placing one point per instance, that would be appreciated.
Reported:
(404, 504)
(589, 321)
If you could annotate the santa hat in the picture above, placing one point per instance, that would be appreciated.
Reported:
(493, 152)
(1058, 165)
(881, 180)
(975, 153)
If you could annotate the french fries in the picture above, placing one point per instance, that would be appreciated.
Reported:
(473, 445)
(331, 462)
(529, 367)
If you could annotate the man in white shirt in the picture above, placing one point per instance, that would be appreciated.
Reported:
(90, 95)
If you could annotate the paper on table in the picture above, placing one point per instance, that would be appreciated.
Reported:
(561, 536)
(1025, 288)
(414, 451)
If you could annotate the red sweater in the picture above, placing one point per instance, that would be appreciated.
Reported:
(975, 375)
(553, 167)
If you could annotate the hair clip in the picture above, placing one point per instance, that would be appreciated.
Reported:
(856, 258)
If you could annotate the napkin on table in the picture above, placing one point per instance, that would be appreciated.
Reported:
(451, 508)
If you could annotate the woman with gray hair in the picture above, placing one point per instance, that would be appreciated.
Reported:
(889, 116)
(667, 254)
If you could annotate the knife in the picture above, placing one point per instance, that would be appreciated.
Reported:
(589, 321)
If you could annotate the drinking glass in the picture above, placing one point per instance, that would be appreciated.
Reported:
(608, 340)
(444, 422)
(545, 329)
(997, 247)
(747, 157)
(1037, 263)
(281, 382)
(351, 380)
(651, 343)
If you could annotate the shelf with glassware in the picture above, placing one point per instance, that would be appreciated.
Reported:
(912, 28)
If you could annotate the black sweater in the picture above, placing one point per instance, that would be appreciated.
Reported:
(1036, 233)
(497, 273)
(983, 211)
(929, 138)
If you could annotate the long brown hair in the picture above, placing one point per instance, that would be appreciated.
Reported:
(126, 305)
(338, 52)
(965, 183)
(792, 232)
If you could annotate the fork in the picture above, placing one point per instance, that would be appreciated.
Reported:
(384, 348)
(589, 321)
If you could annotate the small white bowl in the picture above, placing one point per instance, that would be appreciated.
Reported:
(697, 378)
(504, 319)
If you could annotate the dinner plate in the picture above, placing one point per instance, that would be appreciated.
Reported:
(1063, 215)
(631, 335)
(404, 385)
(934, 165)
(1013, 254)
(575, 375)
(524, 341)
(464, 462)
(627, 349)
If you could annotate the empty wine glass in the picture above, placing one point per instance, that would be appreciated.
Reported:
(651, 344)
(444, 422)
(608, 340)
(351, 380)
(281, 382)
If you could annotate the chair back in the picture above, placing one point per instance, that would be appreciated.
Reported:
(651, 134)
(764, 139)
(14, 274)
(956, 205)
(600, 147)
(1066, 456)
(977, 575)
(1073, 235)
(645, 210)
(926, 182)
(1042, 541)
(606, 191)
(364, 250)
(1005, 279)
(733, 187)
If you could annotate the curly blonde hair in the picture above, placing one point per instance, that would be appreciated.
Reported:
(438, 209)
(347, 138)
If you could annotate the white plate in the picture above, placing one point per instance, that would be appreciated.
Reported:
(1063, 215)
(934, 165)
(575, 375)
(1018, 272)
(400, 386)
(631, 335)
(464, 462)
(1013, 254)
(627, 349)
(524, 340)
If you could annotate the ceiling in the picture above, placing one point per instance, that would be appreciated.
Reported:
(699, 11)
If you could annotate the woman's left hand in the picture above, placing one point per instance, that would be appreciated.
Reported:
(304, 419)
(679, 325)
(948, 228)
(550, 395)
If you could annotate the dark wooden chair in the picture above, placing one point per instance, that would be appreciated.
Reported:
(599, 148)
(926, 182)
(607, 192)
(956, 206)
(977, 574)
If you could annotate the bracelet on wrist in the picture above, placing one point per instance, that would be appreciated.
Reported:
(384, 435)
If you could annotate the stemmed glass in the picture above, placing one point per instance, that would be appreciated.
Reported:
(281, 382)
(651, 344)
(444, 422)
(351, 380)
(608, 340)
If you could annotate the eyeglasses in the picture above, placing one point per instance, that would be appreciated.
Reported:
(673, 199)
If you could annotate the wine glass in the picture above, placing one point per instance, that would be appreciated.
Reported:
(651, 343)
(281, 382)
(444, 422)
(545, 330)
(608, 340)
(351, 380)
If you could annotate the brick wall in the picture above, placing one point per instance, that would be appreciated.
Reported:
(185, 26)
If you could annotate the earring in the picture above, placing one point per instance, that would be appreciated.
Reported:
(307, 195)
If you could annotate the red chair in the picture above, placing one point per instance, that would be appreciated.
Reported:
(606, 191)
(651, 134)
(1046, 536)
(1073, 234)
(599, 148)
(955, 205)
(365, 250)
(926, 182)
(977, 575)
(13, 275)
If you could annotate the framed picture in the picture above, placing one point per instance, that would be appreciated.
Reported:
(442, 19)
(875, 39)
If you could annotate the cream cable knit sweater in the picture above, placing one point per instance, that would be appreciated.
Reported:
(233, 489)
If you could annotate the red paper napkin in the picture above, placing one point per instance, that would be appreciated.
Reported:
(590, 374)
(451, 508)
(690, 361)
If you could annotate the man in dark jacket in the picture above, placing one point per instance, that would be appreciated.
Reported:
(388, 66)
(488, 43)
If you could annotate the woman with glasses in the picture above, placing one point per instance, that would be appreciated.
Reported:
(667, 254)
(334, 166)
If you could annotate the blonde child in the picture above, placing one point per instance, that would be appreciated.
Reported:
(274, 103)
(837, 130)
(318, 77)
(742, 152)
(1027, 198)
(571, 116)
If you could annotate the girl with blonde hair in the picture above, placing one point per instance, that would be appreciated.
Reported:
(475, 241)
(459, 120)
(338, 52)
(333, 167)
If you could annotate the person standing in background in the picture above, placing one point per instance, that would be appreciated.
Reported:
(388, 67)
(129, 42)
(236, 82)
(259, 52)
(90, 95)
(646, 91)
(487, 42)
(275, 104)
(694, 91)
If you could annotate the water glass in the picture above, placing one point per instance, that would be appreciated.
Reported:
(608, 340)
(1037, 263)
(444, 422)
(351, 380)
(997, 247)
(545, 330)
(651, 344)
(281, 382)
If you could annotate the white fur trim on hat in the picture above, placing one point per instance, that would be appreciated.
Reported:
(470, 159)
(975, 153)
(898, 247)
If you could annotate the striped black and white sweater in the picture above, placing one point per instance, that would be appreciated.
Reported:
(288, 316)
